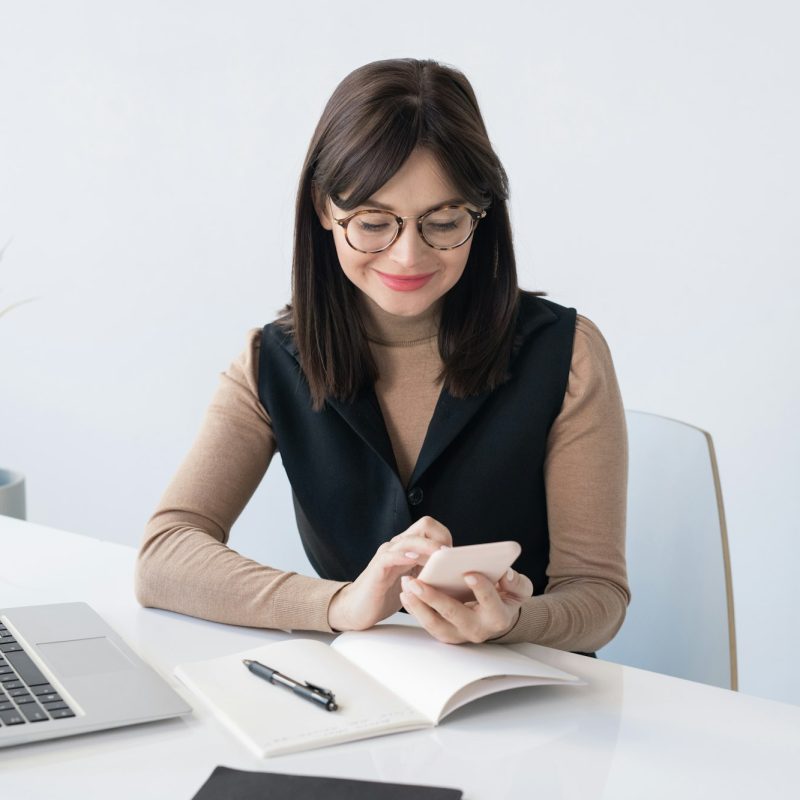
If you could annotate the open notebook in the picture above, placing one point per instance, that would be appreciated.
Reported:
(387, 679)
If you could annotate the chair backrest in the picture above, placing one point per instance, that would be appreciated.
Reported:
(680, 620)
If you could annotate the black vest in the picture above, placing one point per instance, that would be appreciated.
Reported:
(479, 473)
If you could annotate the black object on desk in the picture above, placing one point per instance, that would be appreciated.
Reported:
(314, 694)
(225, 783)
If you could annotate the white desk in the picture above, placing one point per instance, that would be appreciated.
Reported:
(628, 734)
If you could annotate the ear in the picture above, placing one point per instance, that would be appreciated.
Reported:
(321, 206)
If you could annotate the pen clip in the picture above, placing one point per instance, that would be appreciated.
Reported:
(319, 690)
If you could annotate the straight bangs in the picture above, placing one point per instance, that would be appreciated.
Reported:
(367, 162)
(365, 153)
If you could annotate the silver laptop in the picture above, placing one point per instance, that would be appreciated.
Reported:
(64, 671)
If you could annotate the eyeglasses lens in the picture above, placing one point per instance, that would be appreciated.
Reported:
(375, 230)
(447, 228)
(371, 231)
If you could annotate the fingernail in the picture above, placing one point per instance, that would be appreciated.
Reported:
(444, 547)
(404, 582)
(414, 586)
(471, 579)
(411, 555)
(510, 575)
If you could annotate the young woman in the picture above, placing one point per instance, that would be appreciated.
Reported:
(417, 396)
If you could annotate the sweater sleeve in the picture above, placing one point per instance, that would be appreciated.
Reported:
(586, 475)
(184, 563)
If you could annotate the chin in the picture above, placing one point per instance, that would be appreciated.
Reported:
(406, 307)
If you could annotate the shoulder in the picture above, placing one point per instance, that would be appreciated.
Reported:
(589, 341)
(592, 367)
(538, 317)
(279, 333)
(244, 368)
(236, 397)
(535, 307)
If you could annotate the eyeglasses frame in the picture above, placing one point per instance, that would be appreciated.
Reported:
(475, 215)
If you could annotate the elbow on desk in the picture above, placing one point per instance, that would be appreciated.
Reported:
(615, 628)
(149, 578)
(590, 622)
(168, 555)
(143, 581)
(617, 609)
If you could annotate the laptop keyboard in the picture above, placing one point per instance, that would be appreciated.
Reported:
(25, 694)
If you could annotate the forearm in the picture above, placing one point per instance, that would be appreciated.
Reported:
(185, 569)
(184, 562)
(582, 615)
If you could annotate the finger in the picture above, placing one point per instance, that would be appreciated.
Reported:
(432, 622)
(414, 544)
(494, 614)
(517, 584)
(490, 602)
(405, 555)
(429, 528)
(388, 565)
(462, 618)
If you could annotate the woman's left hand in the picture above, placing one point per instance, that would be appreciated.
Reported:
(493, 613)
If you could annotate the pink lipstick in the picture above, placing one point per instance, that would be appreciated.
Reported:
(405, 284)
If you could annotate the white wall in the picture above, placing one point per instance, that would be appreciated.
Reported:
(149, 154)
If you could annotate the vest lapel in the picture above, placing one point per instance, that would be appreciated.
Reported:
(364, 416)
(452, 414)
(449, 417)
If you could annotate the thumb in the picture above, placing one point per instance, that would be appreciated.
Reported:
(515, 583)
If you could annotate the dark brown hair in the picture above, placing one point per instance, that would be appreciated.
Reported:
(373, 121)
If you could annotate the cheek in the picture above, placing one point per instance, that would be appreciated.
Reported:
(351, 261)
(457, 267)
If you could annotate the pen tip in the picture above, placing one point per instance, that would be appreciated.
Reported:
(246, 662)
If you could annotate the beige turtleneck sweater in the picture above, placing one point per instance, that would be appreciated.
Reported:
(186, 565)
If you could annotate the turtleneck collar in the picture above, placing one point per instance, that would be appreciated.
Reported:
(389, 329)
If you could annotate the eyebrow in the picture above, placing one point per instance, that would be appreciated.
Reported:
(377, 204)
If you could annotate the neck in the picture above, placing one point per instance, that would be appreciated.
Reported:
(387, 328)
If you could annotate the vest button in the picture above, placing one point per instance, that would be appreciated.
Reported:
(415, 496)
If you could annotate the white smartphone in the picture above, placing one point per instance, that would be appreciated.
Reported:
(445, 569)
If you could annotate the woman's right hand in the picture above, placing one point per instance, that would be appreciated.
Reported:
(375, 593)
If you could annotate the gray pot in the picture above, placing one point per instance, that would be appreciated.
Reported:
(12, 493)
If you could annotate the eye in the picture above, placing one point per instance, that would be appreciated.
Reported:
(370, 227)
(445, 220)
(373, 222)
(443, 226)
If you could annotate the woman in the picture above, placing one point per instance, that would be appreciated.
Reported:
(417, 396)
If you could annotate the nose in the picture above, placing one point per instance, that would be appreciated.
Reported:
(408, 248)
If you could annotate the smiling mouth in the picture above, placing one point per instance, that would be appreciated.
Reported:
(404, 283)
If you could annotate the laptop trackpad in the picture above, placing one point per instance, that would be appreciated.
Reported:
(83, 657)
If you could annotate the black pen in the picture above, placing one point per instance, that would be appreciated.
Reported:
(315, 694)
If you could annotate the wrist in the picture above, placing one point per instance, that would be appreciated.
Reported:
(514, 620)
(337, 617)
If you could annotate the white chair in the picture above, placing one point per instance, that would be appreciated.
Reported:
(680, 620)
